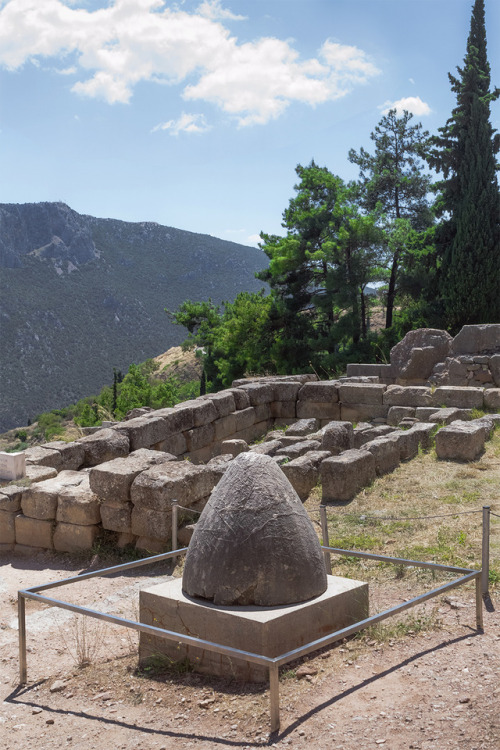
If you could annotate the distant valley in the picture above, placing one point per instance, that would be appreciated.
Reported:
(80, 295)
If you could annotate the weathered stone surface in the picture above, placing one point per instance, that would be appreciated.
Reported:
(72, 454)
(244, 418)
(112, 480)
(322, 391)
(410, 366)
(408, 443)
(42, 456)
(364, 436)
(116, 517)
(343, 476)
(152, 545)
(495, 369)
(425, 432)
(37, 473)
(234, 447)
(263, 412)
(200, 437)
(178, 418)
(338, 437)
(361, 393)
(397, 413)
(78, 505)
(385, 451)
(33, 532)
(460, 441)
(185, 534)
(219, 464)
(143, 432)
(415, 395)
(223, 402)
(259, 393)
(463, 398)
(155, 488)
(319, 410)
(10, 498)
(303, 472)
(7, 527)
(492, 398)
(476, 339)
(175, 444)
(152, 523)
(303, 427)
(286, 391)
(362, 412)
(203, 411)
(254, 542)
(446, 416)
(298, 449)
(224, 427)
(71, 538)
(267, 448)
(104, 445)
(423, 413)
(40, 500)
(241, 400)
(283, 410)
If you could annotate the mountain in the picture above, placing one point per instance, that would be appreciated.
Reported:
(80, 295)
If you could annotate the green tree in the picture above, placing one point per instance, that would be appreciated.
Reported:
(392, 180)
(464, 151)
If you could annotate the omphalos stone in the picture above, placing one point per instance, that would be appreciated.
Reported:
(254, 543)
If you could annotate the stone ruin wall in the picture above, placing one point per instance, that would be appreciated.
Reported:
(122, 478)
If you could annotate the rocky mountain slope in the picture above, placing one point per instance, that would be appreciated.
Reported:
(81, 295)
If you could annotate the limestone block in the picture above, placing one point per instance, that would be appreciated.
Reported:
(492, 398)
(283, 409)
(303, 427)
(12, 466)
(267, 448)
(488, 424)
(397, 413)
(78, 505)
(104, 445)
(154, 524)
(385, 451)
(112, 480)
(361, 393)
(203, 411)
(125, 539)
(200, 437)
(423, 413)
(244, 418)
(425, 432)
(303, 472)
(40, 500)
(234, 447)
(184, 534)
(176, 445)
(254, 432)
(298, 449)
(223, 402)
(42, 456)
(7, 527)
(155, 488)
(436, 344)
(408, 442)
(326, 410)
(151, 545)
(322, 391)
(33, 532)
(72, 454)
(476, 339)
(263, 412)
(362, 412)
(219, 464)
(286, 390)
(446, 416)
(69, 537)
(241, 400)
(337, 437)
(463, 398)
(366, 435)
(259, 393)
(414, 395)
(177, 419)
(37, 473)
(495, 369)
(225, 427)
(10, 498)
(461, 441)
(143, 432)
(343, 476)
(116, 517)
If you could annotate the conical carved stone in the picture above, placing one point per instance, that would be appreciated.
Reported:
(254, 542)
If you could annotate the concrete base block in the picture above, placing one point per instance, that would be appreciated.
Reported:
(269, 631)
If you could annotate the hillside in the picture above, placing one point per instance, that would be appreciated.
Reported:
(80, 295)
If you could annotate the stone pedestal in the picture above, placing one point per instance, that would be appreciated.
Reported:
(269, 631)
(12, 465)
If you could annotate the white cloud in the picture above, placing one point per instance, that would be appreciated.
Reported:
(413, 104)
(129, 41)
(185, 124)
(253, 239)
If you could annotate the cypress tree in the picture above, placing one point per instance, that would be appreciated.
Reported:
(469, 236)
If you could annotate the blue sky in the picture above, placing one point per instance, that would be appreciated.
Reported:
(194, 114)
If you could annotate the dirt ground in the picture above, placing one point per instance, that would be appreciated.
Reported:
(431, 685)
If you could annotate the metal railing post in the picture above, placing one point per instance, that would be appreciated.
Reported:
(21, 615)
(274, 689)
(175, 521)
(326, 541)
(479, 604)
(485, 551)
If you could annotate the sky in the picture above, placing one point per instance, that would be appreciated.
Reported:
(195, 113)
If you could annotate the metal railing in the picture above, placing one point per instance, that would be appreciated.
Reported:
(272, 663)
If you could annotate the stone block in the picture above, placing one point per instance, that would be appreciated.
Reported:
(155, 488)
(203, 411)
(241, 400)
(298, 449)
(69, 537)
(495, 369)
(125, 539)
(225, 427)
(10, 498)
(303, 472)
(12, 466)
(303, 427)
(397, 413)
(413, 395)
(446, 416)
(372, 433)
(385, 451)
(381, 371)
(153, 524)
(7, 527)
(259, 393)
(116, 517)
(40, 500)
(415, 356)
(361, 393)
(267, 448)
(42, 456)
(492, 398)
(233, 447)
(34, 532)
(463, 398)
(78, 505)
(152, 545)
(322, 391)
(475, 339)
(263, 412)
(184, 534)
(143, 432)
(337, 437)
(283, 410)
(343, 476)
(362, 412)
(325, 410)
(37, 473)
(178, 418)
(408, 442)
(104, 445)
(425, 432)
(244, 418)
(72, 454)
(269, 631)
(423, 413)
(254, 432)
(286, 391)
(223, 402)
(219, 464)
(175, 444)
(461, 441)
(200, 437)
(112, 480)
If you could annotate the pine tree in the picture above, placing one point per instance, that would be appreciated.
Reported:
(469, 236)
